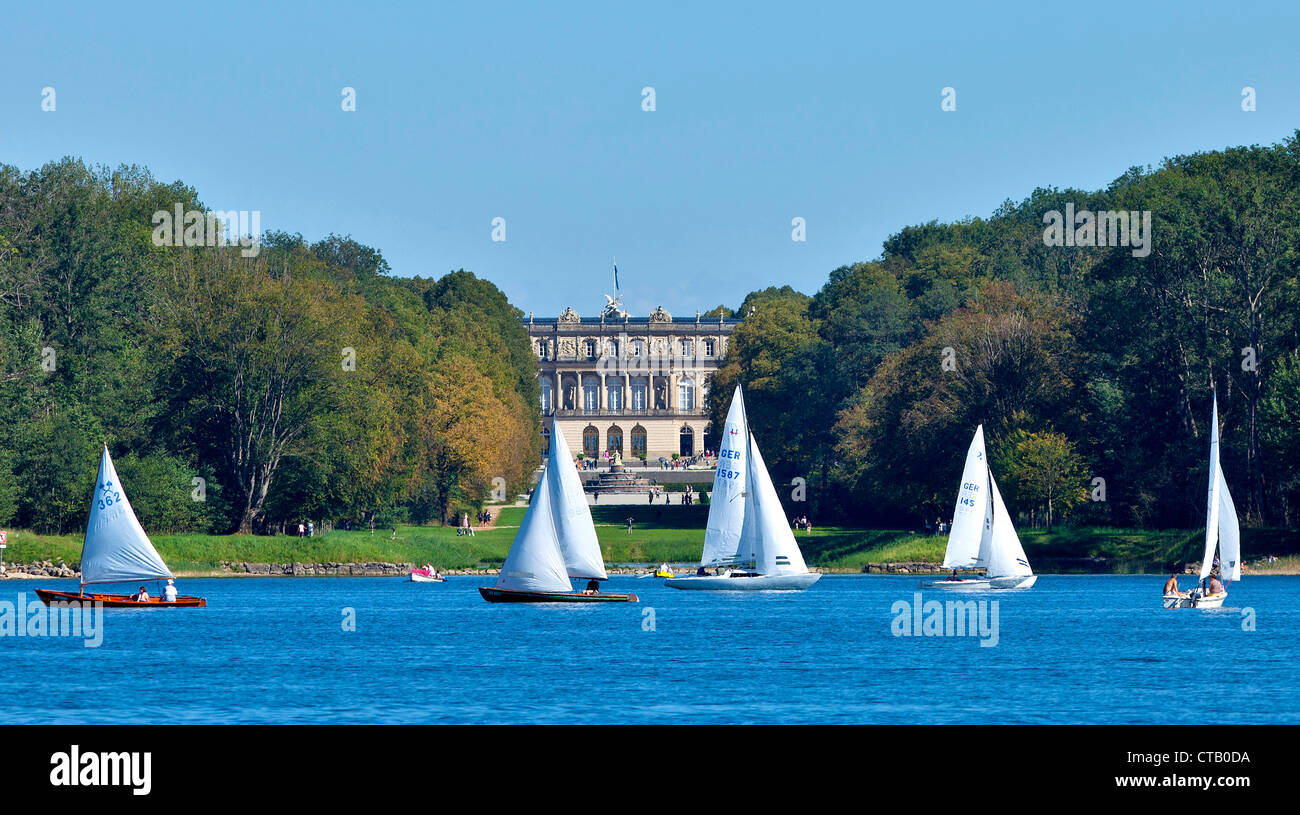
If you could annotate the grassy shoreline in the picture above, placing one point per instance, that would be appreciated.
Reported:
(674, 535)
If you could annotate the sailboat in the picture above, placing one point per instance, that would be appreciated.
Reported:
(556, 541)
(982, 534)
(1221, 528)
(747, 533)
(116, 550)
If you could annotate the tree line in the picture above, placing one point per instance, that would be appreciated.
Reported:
(1091, 365)
(238, 392)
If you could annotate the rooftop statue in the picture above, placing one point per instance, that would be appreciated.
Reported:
(614, 307)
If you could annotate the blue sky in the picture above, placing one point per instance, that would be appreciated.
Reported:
(764, 112)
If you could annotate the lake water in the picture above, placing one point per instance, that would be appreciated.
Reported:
(1073, 649)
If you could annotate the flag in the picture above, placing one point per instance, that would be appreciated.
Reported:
(616, 277)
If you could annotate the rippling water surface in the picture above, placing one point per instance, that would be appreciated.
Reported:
(1074, 649)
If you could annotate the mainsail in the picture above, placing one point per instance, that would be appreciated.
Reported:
(573, 526)
(535, 562)
(727, 503)
(116, 549)
(969, 537)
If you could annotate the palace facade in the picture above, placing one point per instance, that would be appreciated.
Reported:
(635, 385)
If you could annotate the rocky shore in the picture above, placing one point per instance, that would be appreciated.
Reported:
(38, 568)
(906, 568)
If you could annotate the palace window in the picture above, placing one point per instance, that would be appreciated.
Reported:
(615, 400)
(710, 348)
(638, 441)
(686, 395)
(589, 346)
(614, 439)
(613, 348)
(590, 394)
(591, 442)
(548, 397)
(546, 440)
(543, 350)
(638, 348)
(687, 347)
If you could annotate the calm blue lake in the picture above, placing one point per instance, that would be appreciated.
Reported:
(1074, 649)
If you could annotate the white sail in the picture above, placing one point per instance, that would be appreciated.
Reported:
(727, 503)
(969, 537)
(1229, 534)
(573, 526)
(774, 546)
(535, 562)
(1213, 504)
(116, 548)
(1006, 557)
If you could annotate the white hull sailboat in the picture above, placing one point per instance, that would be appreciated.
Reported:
(556, 541)
(1221, 529)
(747, 537)
(982, 534)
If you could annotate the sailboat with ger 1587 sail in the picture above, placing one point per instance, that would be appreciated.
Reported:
(1221, 528)
(116, 550)
(982, 534)
(556, 541)
(747, 532)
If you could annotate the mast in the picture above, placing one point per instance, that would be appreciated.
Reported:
(748, 492)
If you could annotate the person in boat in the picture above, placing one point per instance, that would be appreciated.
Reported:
(701, 572)
(1214, 586)
(593, 587)
(170, 593)
(952, 577)
(1171, 586)
(142, 596)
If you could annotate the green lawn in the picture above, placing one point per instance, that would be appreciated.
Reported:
(674, 534)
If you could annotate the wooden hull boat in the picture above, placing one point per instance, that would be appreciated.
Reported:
(494, 595)
(745, 581)
(117, 600)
